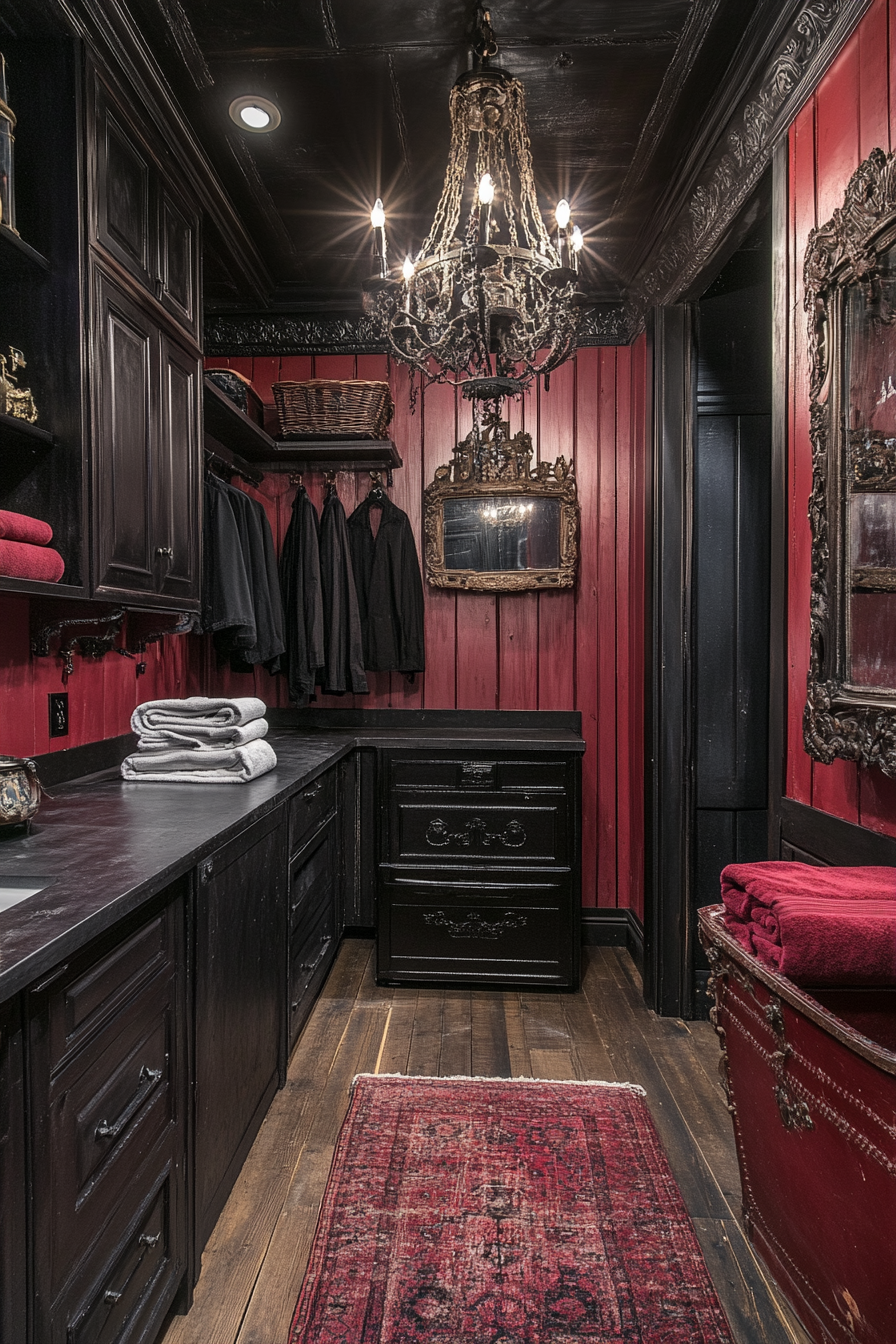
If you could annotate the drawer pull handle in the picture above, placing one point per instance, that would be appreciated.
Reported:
(111, 1296)
(149, 1078)
(150, 1241)
(475, 835)
(309, 794)
(313, 965)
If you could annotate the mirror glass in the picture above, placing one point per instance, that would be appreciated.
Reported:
(500, 533)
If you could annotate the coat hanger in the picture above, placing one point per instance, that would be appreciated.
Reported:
(377, 494)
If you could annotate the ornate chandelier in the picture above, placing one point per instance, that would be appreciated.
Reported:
(490, 300)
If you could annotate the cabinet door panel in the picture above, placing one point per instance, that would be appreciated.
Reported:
(123, 201)
(178, 272)
(176, 528)
(126, 378)
(12, 1179)
(240, 996)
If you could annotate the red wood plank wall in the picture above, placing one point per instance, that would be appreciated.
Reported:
(582, 649)
(852, 111)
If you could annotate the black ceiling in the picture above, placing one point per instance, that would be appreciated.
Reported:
(616, 91)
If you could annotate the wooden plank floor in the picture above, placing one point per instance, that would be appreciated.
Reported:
(253, 1265)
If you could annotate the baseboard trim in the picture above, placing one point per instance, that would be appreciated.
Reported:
(611, 927)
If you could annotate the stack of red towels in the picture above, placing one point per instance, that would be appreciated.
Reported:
(25, 551)
(817, 926)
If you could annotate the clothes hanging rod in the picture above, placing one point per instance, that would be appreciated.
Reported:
(233, 464)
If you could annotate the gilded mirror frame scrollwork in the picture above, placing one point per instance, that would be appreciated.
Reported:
(498, 465)
(849, 269)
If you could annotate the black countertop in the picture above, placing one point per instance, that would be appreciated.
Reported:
(106, 846)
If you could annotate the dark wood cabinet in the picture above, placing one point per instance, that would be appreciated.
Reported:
(107, 1076)
(479, 879)
(13, 1180)
(146, 369)
(140, 217)
(146, 454)
(239, 1023)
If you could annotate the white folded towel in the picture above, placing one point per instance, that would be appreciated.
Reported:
(201, 738)
(230, 765)
(197, 711)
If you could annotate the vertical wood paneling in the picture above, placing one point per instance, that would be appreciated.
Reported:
(802, 170)
(873, 85)
(587, 467)
(556, 610)
(624, 613)
(606, 628)
(438, 411)
(477, 651)
(406, 493)
(637, 627)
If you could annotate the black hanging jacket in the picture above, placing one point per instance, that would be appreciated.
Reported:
(390, 591)
(227, 607)
(261, 567)
(343, 659)
(302, 599)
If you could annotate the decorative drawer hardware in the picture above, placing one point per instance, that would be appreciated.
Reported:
(474, 926)
(794, 1112)
(149, 1078)
(478, 775)
(474, 835)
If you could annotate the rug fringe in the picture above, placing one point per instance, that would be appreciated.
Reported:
(479, 1078)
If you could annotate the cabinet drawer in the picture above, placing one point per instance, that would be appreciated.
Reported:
(135, 1288)
(312, 877)
(472, 774)
(480, 832)
(469, 937)
(312, 950)
(85, 1003)
(110, 1112)
(310, 807)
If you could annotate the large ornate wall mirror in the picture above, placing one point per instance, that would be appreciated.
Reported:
(850, 289)
(495, 523)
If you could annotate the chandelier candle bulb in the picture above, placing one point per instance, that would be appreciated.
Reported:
(562, 214)
(407, 271)
(378, 223)
(486, 196)
(578, 242)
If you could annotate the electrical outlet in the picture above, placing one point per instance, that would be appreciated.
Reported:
(58, 714)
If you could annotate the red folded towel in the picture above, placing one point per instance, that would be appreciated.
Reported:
(19, 527)
(818, 926)
(18, 560)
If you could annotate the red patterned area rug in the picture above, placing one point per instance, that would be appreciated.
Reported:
(497, 1211)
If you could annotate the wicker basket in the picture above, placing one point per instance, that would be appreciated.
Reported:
(328, 406)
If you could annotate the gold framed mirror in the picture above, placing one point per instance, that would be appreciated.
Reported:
(493, 523)
(850, 288)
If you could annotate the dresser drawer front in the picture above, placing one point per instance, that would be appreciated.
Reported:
(109, 1112)
(478, 832)
(310, 807)
(475, 939)
(85, 1004)
(135, 1288)
(312, 877)
(312, 949)
(477, 774)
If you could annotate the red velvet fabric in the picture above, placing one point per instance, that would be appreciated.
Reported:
(19, 527)
(818, 926)
(18, 560)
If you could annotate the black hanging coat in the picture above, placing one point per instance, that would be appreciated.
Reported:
(303, 610)
(343, 657)
(390, 591)
(261, 567)
(227, 607)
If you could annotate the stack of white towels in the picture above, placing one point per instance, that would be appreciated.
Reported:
(200, 741)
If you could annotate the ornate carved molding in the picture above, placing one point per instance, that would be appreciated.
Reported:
(311, 334)
(474, 926)
(474, 835)
(742, 154)
(838, 721)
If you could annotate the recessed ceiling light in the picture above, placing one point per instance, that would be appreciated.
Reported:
(252, 113)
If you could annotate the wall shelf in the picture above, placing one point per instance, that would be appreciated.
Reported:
(18, 434)
(226, 423)
(14, 250)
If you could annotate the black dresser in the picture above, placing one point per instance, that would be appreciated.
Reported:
(479, 878)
